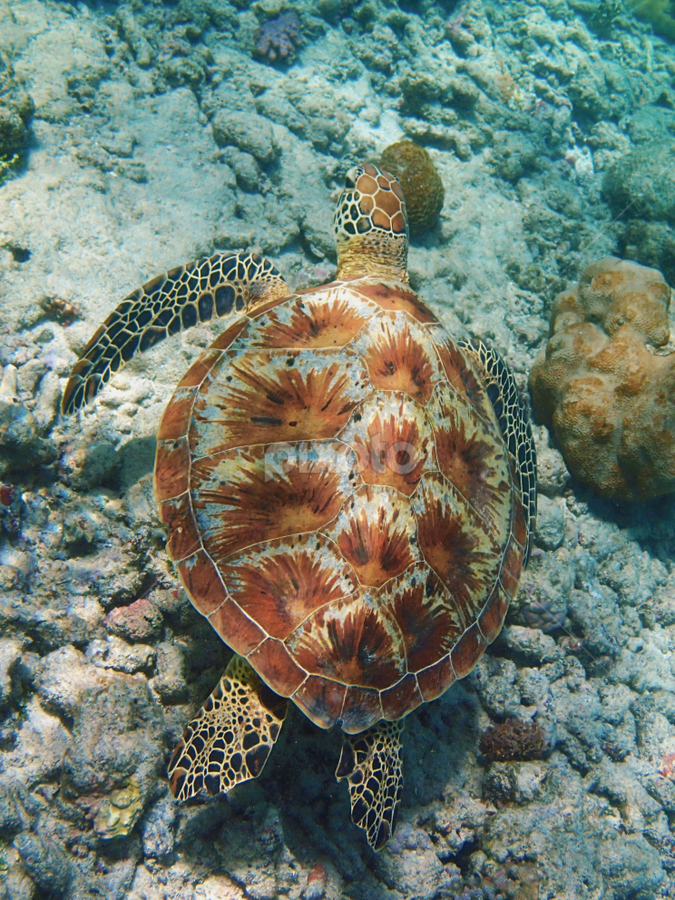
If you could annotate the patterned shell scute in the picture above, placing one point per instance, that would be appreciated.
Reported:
(340, 501)
(322, 320)
(272, 396)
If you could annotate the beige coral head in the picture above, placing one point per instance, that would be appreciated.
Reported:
(371, 226)
(602, 388)
(616, 293)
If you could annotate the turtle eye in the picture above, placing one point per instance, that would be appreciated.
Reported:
(350, 181)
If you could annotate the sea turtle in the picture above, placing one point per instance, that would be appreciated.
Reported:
(349, 496)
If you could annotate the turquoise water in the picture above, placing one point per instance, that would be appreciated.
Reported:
(137, 137)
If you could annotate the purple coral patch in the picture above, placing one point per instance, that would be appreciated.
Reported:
(279, 37)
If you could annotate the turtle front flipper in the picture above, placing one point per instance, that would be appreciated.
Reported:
(230, 738)
(514, 423)
(371, 763)
(213, 287)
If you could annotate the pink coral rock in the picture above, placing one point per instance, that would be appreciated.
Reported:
(606, 386)
(139, 621)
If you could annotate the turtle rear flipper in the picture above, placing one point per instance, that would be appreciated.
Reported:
(230, 738)
(371, 763)
(213, 287)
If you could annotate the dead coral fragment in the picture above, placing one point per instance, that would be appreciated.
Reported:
(599, 385)
(120, 811)
(62, 311)
(513, 739)
(421, 183)
(279, 37)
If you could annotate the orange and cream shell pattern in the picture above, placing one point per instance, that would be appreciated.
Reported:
(340, 502)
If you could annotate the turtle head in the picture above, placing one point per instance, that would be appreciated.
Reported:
(371, 225)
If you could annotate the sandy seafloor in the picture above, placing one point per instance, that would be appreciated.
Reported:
(524, 108)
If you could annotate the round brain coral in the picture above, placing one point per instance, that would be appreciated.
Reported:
(601, 387)
(421, 183)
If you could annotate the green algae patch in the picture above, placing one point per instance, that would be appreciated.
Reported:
(659, 13)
